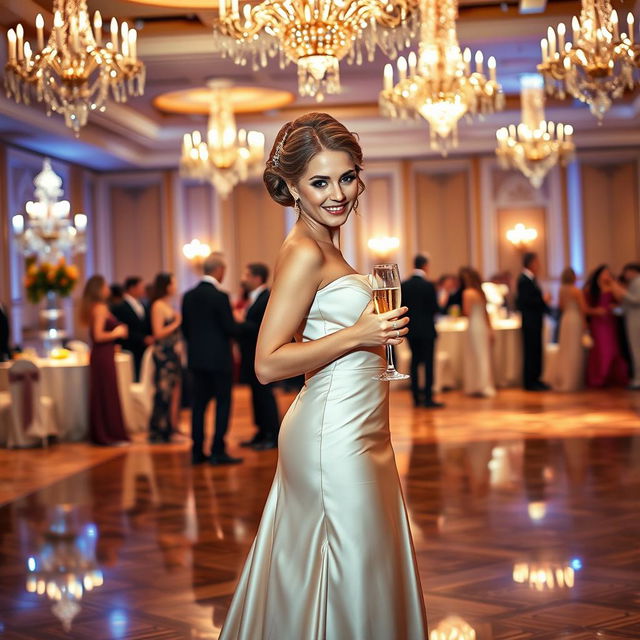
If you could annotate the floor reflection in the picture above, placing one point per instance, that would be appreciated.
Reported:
(518, 538)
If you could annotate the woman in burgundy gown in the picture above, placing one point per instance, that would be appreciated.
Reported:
(106, 425)
(606, 364)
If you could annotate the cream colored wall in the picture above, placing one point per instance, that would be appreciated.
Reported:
(611, 217)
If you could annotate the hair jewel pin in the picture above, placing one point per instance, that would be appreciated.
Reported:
(276, 155)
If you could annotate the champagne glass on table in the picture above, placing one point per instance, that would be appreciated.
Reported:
(386, 297)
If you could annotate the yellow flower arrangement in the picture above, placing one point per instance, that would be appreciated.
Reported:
(42, 278)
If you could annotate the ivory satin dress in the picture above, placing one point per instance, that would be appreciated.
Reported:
(333, 558)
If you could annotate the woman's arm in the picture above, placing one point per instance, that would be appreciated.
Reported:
(295, 286)
(100, 313)
(158, 328)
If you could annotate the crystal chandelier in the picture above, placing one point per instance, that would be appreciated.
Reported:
(535, 145)
(315, 34)
(73, 70)
(46, 230)
(601, 62)
(228, 156)
(439, 84)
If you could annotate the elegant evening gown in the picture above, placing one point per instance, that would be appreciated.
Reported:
(333, 558)
(167, 376)
(106, 425)
(606, 364)
(569, 374)
(478, 377)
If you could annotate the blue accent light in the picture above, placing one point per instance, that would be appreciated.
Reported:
(576, 564)
(118, 623)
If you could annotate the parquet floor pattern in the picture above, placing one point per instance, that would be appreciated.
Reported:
(544, 483)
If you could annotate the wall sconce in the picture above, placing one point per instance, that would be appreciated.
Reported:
(521, 237)
(383, 245)
(196, 251)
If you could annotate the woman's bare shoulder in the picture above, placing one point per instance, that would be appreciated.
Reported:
(300, 252)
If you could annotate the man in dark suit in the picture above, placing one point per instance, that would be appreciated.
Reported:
(532, 304)
(420, 296)
(132, 312)
(208, 326)
(265, 409)
(5, 352)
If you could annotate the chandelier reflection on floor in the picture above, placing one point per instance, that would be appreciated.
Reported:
(439, 83)
(228, 156)
(543, 576)
(534, 146)
(73, 71)
(65, 565)
(315, 34)
(453, 628)
(599, 64)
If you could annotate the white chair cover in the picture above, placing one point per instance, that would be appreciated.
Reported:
(31, 416)
(142, 393)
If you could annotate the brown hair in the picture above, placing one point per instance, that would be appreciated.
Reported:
(297, 143)
(568, 276)
(91, 295)
(473, 278)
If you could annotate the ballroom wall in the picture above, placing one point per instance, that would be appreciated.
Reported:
(458, 209)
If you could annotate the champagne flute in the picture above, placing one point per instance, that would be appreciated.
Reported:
(386, 296)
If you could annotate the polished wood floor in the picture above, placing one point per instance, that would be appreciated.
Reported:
(525, 510)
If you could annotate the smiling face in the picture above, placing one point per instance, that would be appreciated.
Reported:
(328, 188)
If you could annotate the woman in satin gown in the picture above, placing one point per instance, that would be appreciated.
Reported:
(477, 373)
(333, 558)
(569, 374)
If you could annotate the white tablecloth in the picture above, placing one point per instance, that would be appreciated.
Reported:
(67, 383)
(450, 351)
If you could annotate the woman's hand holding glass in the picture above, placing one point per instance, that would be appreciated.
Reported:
(379, 329)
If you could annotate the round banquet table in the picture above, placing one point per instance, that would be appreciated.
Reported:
(66, 382)
(450, 351)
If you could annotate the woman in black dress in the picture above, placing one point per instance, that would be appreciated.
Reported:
(165, 326)
(106, 425)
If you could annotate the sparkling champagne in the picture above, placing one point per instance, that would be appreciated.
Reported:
(386, 299)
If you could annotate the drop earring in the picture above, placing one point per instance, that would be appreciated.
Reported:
(298, 207)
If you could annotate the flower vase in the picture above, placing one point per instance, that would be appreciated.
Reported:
(51, 316)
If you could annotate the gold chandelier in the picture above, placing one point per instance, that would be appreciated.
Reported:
(73, 70)
(228, 156)
(600, 63)
(535, 146)
(314, 34)
(439, 84)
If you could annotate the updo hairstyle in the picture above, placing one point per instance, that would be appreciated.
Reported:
(297, 143)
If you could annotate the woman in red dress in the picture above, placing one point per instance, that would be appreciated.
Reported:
(106, 425)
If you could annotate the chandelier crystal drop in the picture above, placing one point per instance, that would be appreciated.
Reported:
(314, 34)
(600, 63)
(73, 71)
(534, 146)
(439, 83)
(228, 156)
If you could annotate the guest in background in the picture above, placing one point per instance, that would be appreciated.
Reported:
(106, 425)
(208, 327)
(478, 376)
(5, 334)
(630, 297)
(532, 304)
(165, 326)
(420, 296)
(132, 312)
(449, 293)
(116, 296)
(265, 409)
(569, 374)
(606, 364)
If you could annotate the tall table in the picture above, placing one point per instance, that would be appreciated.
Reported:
(66, 381)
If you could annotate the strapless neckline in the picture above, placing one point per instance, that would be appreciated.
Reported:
(346, 275)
